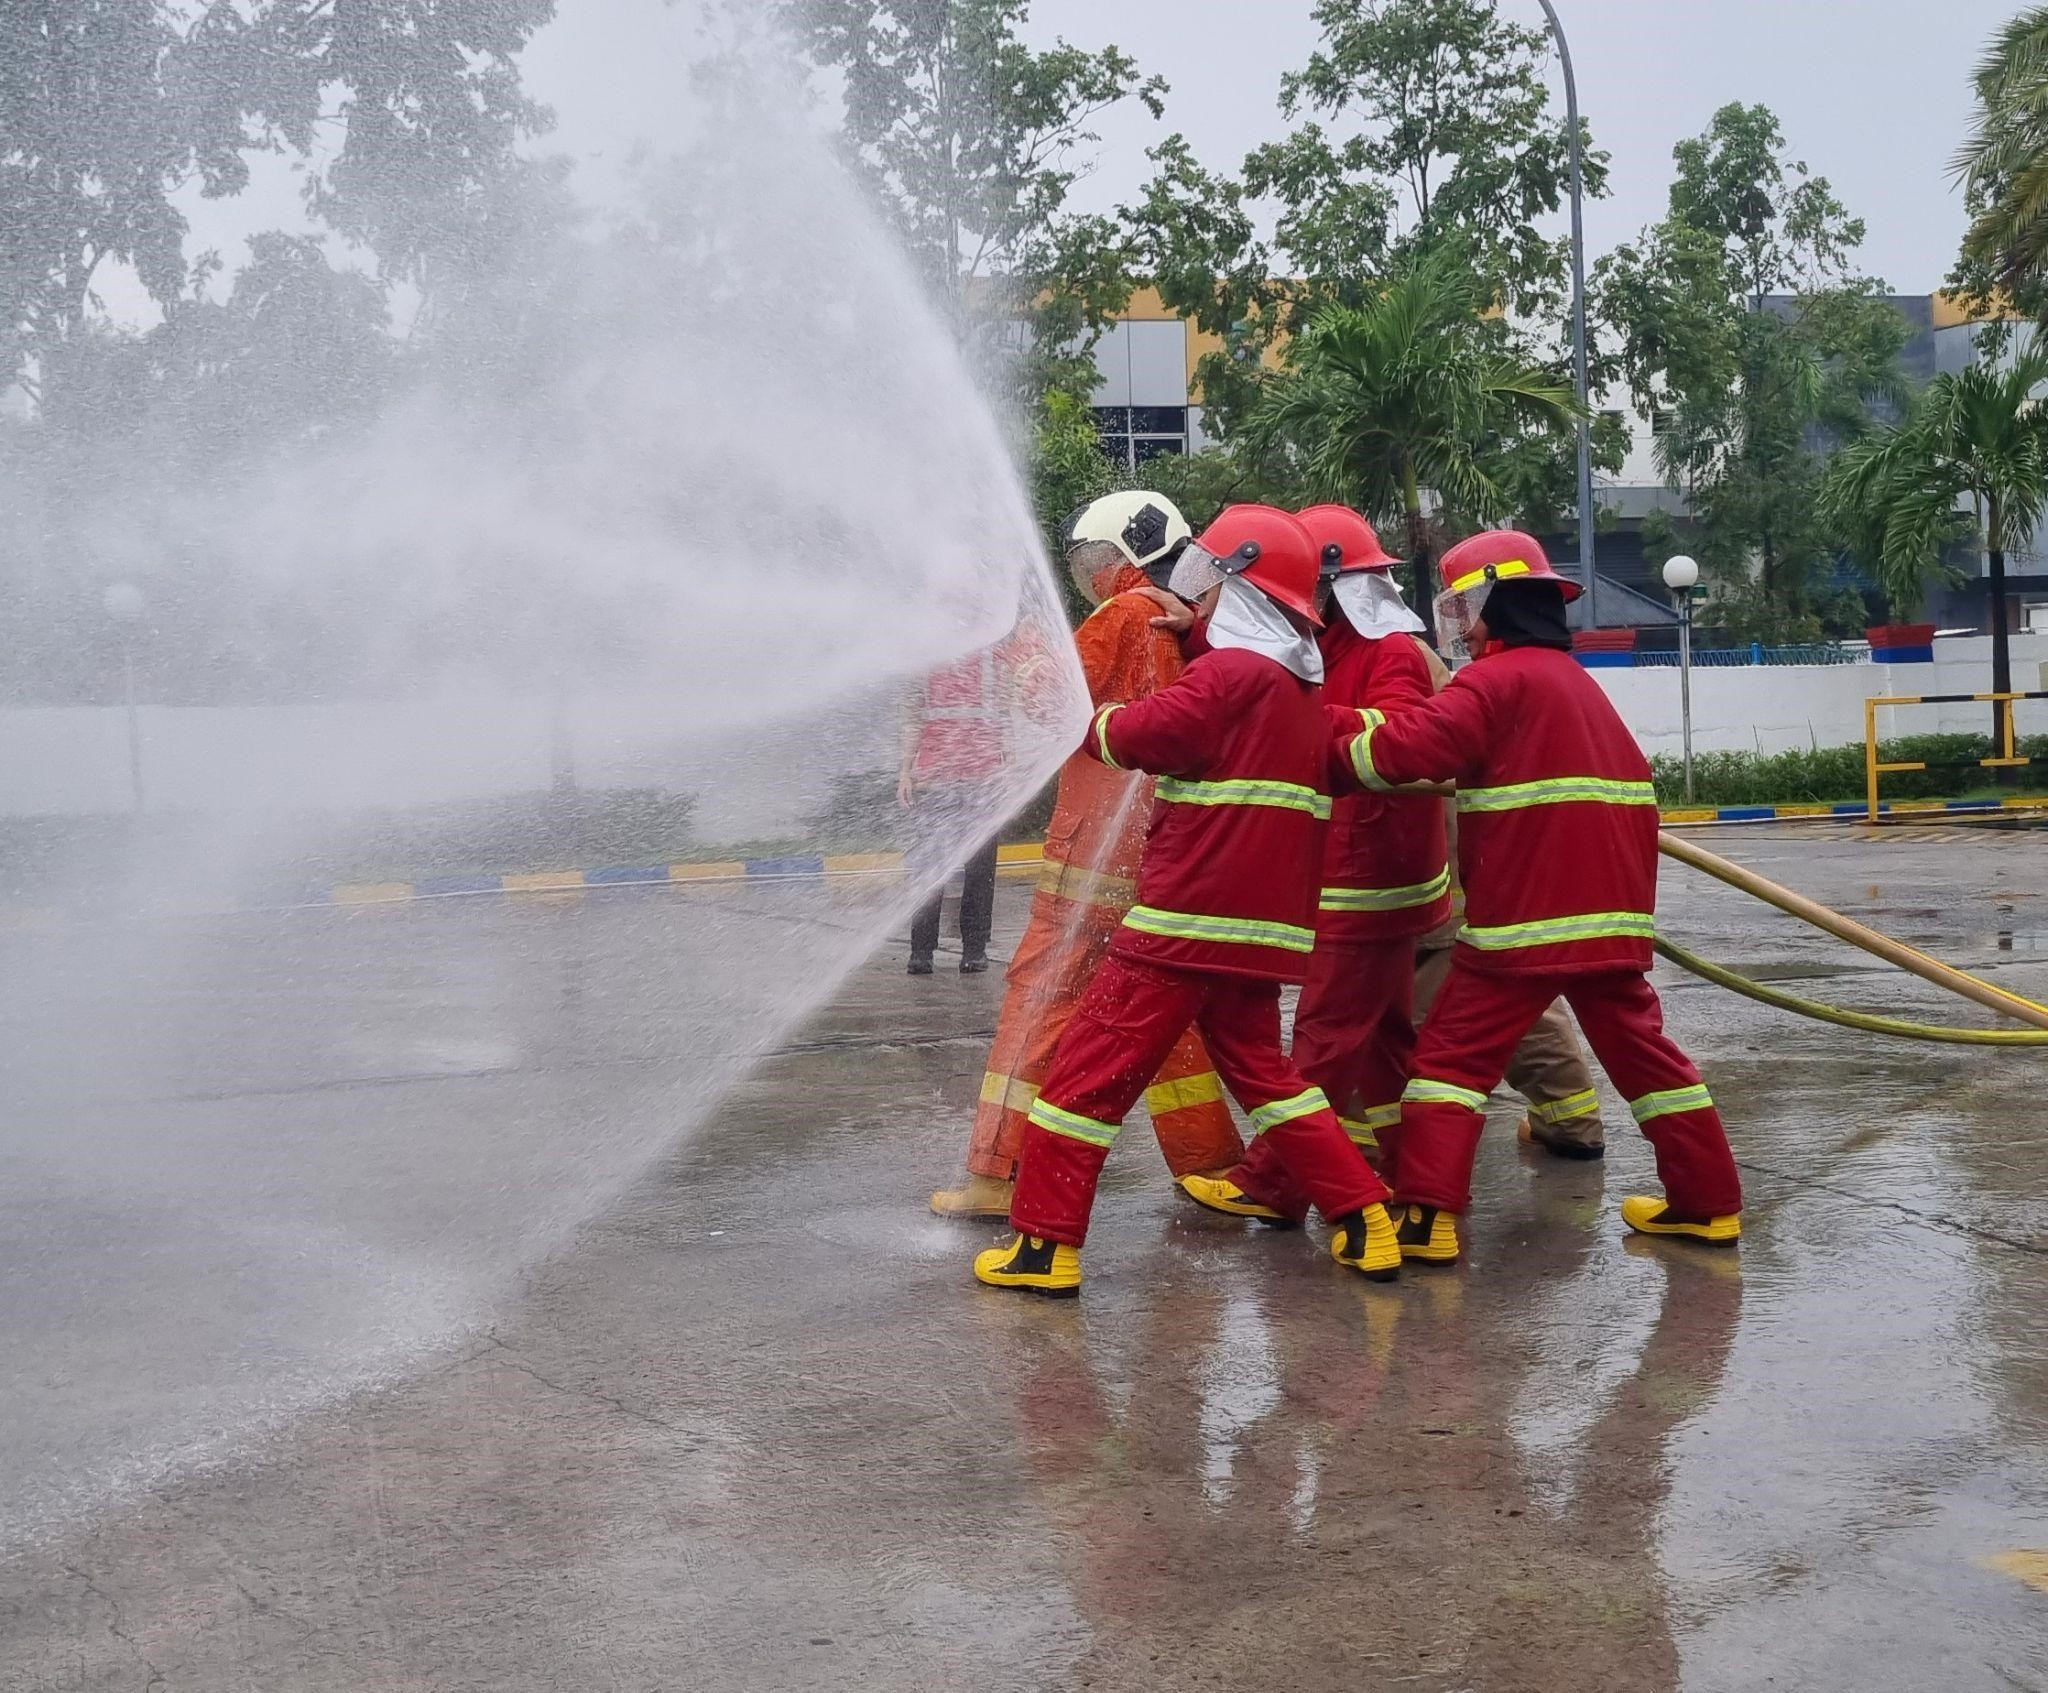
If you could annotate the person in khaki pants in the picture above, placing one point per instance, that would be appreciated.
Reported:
(1549, 1067)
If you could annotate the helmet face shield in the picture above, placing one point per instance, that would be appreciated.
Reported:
(1458, 611)
(1195, 572)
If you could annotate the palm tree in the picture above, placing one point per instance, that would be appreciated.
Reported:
(1977, 435)
(2004, 163)
(1407, 392)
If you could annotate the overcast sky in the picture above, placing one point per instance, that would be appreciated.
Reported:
(1873, 94)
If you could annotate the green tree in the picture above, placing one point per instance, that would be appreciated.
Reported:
(971, 142)
(1411, 393)
(1976, 438)
(1745, 331)
(1417, 125)
(108, 108)
(2003, 166)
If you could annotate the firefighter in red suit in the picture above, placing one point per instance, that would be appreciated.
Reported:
(1224, 912)
(1386, 876)
(1557, 850)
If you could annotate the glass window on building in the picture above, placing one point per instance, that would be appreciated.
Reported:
(1131, 435)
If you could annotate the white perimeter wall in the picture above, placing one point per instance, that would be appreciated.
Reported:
(74, 760)
(1775, 708)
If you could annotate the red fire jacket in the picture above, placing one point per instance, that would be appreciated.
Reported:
(1386, 869)
(1234, 851)
(1557, 820)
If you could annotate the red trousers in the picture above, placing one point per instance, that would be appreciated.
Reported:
(1473, 1030)
(1074, 917)
(1354, 1037)
(1125, 1025)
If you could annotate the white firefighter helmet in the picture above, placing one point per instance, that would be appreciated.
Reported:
(1147, 528)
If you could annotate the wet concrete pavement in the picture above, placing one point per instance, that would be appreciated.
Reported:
(755, 1428)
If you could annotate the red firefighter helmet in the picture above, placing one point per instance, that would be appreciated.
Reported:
(1271, 550)
(1344, 540)
(1501, 555)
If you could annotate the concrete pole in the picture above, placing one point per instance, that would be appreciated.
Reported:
(1685, 684)
(1588, 571)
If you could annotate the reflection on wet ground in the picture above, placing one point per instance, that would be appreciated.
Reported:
(757, 1430)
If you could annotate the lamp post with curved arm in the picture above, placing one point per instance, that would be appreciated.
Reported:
(1587, 572)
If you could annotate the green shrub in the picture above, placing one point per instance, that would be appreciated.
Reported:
(1835, 775)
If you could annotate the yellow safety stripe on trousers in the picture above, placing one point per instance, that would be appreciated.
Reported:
(1554, 931)
(1007, 1091)
(1585, 1103)
(1237, 931)
(1557, 790)
(1421, 1092)
(1073, 1125)
(1361, 759)
(1304, 1104)
(1245, 790)
(1491, 573)
(1184, 1093)
(1100, 731)
(1387, 899)
(1365, 1130)
(1670, 1103)
(1085, 887)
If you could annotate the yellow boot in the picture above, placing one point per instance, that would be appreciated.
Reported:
(1647, 1214)
(1220, 1193)
(982, 1196)
(1366, 1242)
(1426, 1234)
(1032, 1265)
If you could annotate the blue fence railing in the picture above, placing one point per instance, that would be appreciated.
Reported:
(1818, 652)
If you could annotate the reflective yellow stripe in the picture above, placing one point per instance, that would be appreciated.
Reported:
(1365, 1130)
(1653, 1105)
(1085, 887)
(1240, 931)
(1387, 899)
(1554, 931)
(1370, 716)
(1361, 759)
(1557, 790)
(1443, 1093)
(1304, 1104)
(1583, 1104)
(1492, 572)
(1184, 1093)
(1007, 1091)
(1242, 790)
(1073, 1125)
(1101, 733)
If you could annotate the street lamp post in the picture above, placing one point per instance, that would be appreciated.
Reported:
(1680, 575)
(1587, 571)
(123, 602)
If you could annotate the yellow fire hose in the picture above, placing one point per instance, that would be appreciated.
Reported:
(1859, 935)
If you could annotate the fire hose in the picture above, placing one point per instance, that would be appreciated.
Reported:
(1859, 935)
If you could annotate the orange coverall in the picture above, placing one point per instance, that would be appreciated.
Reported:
(1092, 847)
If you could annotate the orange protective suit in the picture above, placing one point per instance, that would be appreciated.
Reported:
(1092, 847)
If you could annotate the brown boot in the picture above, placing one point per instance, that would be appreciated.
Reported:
(1582, 1138)
(982, 1196)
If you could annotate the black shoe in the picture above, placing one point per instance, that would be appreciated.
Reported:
(974, 964)
(920, 967)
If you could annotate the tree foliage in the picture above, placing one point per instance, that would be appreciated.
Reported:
(1974, 439)
(109, 108)
(971, 142)
(1743, 328)
(2003, 166)
(1413, 391)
